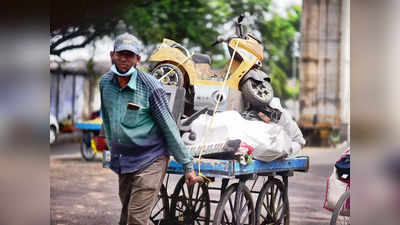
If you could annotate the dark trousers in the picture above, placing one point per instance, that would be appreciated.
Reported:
(138, 192)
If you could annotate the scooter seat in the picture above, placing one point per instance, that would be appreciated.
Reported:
(201, 58)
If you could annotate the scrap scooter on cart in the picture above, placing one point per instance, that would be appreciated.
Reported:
(173, 64)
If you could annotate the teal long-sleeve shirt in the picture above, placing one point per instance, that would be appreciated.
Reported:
(137, 137)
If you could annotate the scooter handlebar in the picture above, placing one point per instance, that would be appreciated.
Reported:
(215, 43)
(219, 40)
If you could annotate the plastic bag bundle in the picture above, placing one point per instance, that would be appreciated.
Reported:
(287, 123)
(269, 140)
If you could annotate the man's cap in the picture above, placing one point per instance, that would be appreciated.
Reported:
(126, 42)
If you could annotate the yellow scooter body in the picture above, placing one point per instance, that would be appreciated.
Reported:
(249, 49)
(251, 52)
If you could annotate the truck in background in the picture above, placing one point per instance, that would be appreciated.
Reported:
(325, 72)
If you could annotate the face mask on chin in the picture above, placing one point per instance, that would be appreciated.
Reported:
(128, 73)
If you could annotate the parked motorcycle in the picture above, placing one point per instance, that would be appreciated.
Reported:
(173, 64)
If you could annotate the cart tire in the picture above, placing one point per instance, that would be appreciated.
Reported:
(86, 150)
(190, 203)
(272, 205)
(226, 207)
(336, 217)
(160, 210)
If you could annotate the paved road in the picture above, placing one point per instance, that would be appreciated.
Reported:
(85, 193)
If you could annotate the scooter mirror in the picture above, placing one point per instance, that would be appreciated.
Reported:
(214, 43)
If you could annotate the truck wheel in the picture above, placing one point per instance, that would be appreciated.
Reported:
(174, 75)
(257, 93)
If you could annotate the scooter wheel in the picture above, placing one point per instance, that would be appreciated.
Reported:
(168, 74)
(257, 93)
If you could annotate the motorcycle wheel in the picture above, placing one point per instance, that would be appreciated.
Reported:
(174, 77)
(257, 93)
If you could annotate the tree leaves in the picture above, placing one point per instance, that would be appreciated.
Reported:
(196, 23)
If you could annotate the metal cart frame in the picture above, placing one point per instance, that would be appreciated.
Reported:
(191, 205)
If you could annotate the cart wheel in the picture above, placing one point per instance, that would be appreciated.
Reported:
(225, 212)
(160, 210)
(337, 217)
(272, 205)
(191, 204)
(86, 149)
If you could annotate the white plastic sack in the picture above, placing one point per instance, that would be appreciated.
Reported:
(226, 125)
(287, 122)
(269, 140)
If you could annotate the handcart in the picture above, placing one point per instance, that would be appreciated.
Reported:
(91, 130)
(236, 190)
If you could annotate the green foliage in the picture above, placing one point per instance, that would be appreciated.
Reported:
(176, 20)
(278, 38)
(278, 82)
(293, 93)
(219, 63)
(195, 23)
(277, 79)
(194, 20)
(198, 21)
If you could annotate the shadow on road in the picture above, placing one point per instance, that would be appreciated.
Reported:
(74, 159)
